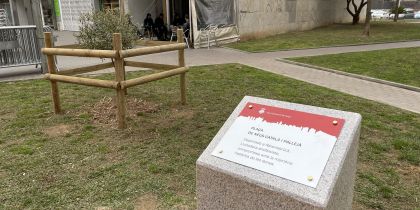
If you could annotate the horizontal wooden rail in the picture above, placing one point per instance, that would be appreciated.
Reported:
(69, 46)
(86, 69)
(80, 52)
(151, 50)
(150, 65)
(152, 77)
(82, 81)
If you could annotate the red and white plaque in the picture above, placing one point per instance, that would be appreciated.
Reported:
(290, 144)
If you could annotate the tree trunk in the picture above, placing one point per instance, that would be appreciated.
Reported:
(366, 32)
(357, 9)
(397, 6)
(356, 19)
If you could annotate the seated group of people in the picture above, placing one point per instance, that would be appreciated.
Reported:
(159, 28)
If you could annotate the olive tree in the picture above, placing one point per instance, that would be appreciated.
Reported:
(97, 28)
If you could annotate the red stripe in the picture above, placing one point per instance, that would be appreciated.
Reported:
(296, 118)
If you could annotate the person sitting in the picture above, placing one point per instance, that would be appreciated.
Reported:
(148, 24)
(160, 28)
(178, 21)
(186, 27)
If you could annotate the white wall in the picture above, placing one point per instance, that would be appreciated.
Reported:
(342, 16)
(136, 8)
(268, 17)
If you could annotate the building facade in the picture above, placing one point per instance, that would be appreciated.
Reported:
(69, 11)
(256, 19)
(247, 18)
(19, 12)
(267, 17)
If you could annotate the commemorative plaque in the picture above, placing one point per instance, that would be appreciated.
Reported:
(290, 144)
(273, 154)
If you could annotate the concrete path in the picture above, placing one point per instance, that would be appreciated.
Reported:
(402, 98)
(398, 97)
(344, 49)
(405, 99)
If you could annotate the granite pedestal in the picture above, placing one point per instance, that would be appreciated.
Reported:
(223, 184)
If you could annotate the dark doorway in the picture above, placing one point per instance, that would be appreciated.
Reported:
(179, 16)
(178, 7)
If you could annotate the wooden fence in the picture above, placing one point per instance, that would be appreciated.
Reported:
(120, 84)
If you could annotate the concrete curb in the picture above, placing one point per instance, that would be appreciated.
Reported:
(321, 47)
(371, 79)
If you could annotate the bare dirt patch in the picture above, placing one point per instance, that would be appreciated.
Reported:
(176, 114)
(184, 114)
(104, 111)
(146, 202)
(181, 207)
(103, 208)
(7, 116)
(58, 130)
(410, 172)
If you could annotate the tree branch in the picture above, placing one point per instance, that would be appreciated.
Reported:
(362, 4)
(348, 8)
(354, 6)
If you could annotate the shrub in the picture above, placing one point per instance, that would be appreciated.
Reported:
(97, 28)
(401, 10)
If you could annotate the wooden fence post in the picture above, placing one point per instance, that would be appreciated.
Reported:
(119, 77)
(181, 63)
(52, 70)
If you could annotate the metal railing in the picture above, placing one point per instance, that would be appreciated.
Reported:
(19, 46)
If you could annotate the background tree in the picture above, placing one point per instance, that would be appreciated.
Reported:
(357, 9)
(397, 10)
(96, 30)
(366, 31)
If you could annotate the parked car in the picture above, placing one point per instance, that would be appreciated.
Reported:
(417, 15)
(380, 14)
(409, 15)
(400, 16)
(409, 9)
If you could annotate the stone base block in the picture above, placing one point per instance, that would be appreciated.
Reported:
(223, 184)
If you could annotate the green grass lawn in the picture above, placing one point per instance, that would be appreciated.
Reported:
(333, 35)
(396, 65)
(80, 161)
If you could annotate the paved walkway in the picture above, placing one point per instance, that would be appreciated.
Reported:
(397, 97)
(344, 49)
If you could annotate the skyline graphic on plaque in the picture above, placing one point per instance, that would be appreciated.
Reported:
(290, 144)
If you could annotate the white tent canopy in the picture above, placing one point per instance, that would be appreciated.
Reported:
(221, 14)
(202, 13)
